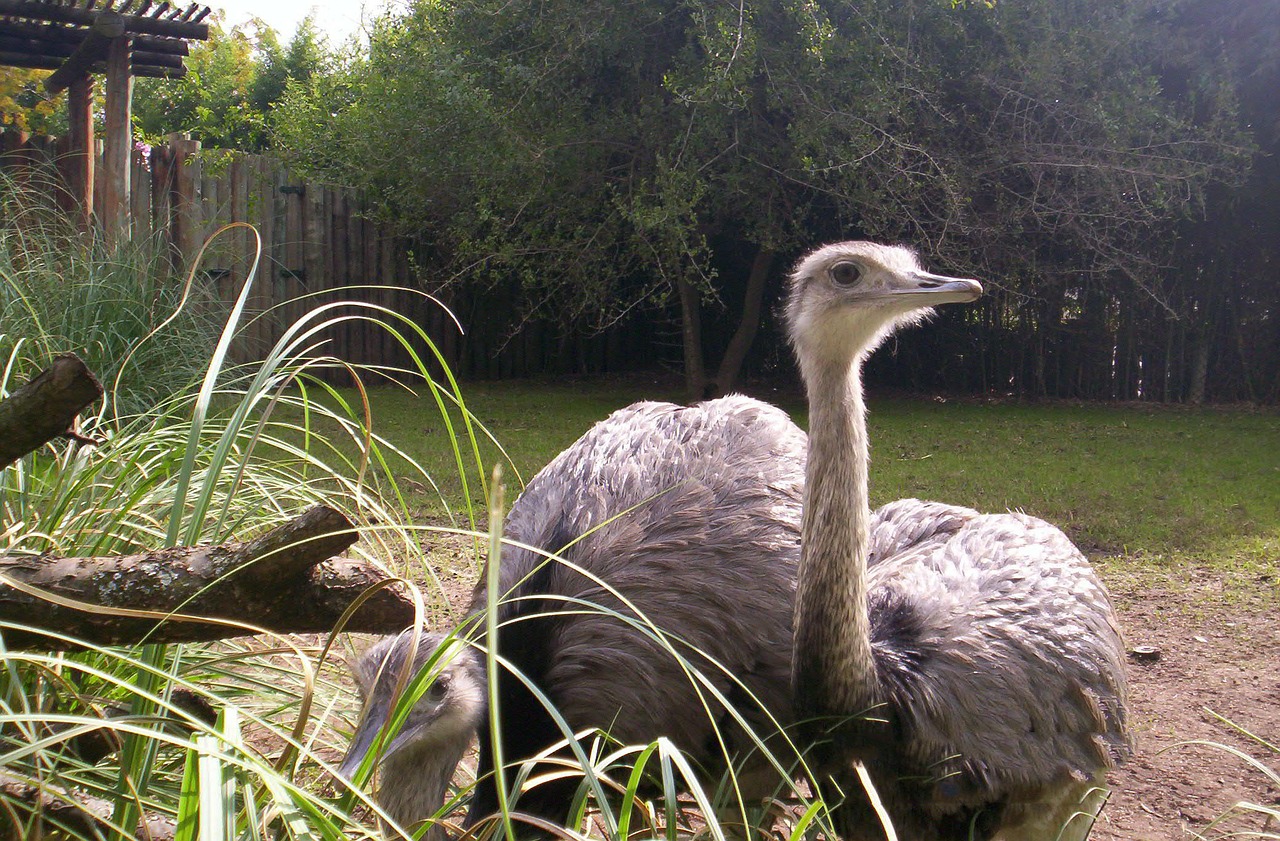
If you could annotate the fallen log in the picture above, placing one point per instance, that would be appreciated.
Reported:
(50, 807)
(45, 407)
(286, 581)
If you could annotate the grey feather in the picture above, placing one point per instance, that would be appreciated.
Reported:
(692, 516)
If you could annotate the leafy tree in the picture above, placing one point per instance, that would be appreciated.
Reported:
(667, 153)
(232, 84)
(24, 104)
(306, 55)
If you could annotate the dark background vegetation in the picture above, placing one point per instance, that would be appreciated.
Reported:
(607, 186)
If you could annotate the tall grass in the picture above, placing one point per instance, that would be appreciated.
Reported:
(64, 290)
(191, 449)
(234, 739)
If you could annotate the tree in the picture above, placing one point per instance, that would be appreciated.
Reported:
(671, 155)
(24, 104)
(233, 83)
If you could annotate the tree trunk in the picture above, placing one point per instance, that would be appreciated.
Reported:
(695, 372)
(1199, 366)
(736, 353)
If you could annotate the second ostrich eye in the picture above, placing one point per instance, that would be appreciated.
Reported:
(846, 274)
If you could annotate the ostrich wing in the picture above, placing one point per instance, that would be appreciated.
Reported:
(998, 649)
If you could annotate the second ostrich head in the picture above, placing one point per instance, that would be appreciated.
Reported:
(418, 761)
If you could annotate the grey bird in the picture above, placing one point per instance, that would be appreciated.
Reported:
(975, 667)
(689, 514)
(973, 663)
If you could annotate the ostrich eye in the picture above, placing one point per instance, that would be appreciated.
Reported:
(437, 690)
(846, 274)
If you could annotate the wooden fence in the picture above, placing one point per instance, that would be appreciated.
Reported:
(318, 244)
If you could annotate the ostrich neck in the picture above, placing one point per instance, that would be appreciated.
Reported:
(834, 671)
(414, 787)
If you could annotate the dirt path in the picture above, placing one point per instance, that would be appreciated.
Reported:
(1217, 653)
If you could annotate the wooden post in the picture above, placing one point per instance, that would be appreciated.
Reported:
(188, 223)
(80, 131)
(162, 220)
(117, 157)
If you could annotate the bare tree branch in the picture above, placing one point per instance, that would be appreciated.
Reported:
(283, 581)
(45, 407)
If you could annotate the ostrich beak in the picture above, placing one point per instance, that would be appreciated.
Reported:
(371, 724)
(366, 735)
(927, 290)
(362, 741)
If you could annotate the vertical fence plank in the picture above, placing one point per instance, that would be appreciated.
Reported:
(141, 220)
(187, 201)
(294, 269)
(240, 243)
(262, 205)
(315, 235)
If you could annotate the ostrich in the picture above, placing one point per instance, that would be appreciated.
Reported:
(980, 651)
(690, 514)
(972, 663)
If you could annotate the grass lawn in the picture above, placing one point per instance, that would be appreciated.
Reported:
(1151, 485)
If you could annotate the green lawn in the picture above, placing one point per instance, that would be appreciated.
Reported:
(1151, 484)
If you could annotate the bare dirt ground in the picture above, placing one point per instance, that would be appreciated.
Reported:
(1219, 653)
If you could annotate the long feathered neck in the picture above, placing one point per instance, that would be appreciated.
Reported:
(414, 785)
(834, 671)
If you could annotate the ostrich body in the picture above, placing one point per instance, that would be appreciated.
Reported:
(691, 515)
(971, 662)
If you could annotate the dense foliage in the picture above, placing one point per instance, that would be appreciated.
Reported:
(583, 161)
(233, 83)
(24, 105)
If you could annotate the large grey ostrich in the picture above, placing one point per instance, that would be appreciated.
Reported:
(973, 664)
(689, 514)
(976, 660)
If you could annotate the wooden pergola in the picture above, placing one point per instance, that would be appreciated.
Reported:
(120, 38)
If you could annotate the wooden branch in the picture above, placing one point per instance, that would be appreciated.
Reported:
(45, 407)
(282, 581)
(81, 813)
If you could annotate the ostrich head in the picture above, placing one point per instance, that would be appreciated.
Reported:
(845, 298)
(419, 760)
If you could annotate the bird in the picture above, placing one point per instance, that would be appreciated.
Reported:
(971, 663)
(687, 516)
(694, 515)
(418, 762)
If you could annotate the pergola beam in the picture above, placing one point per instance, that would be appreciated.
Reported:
(106, 28)
(134, 24)
(62, 40)
(155, 71)
(124, 39)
